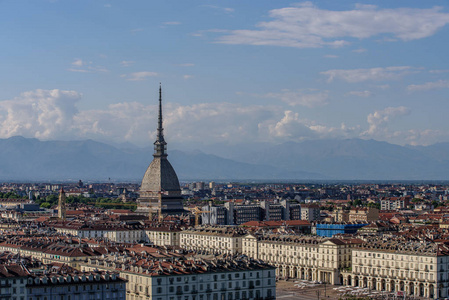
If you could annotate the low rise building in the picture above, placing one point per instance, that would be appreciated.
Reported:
(191, 279)
(162, 235)
(414, 268)
(310, 212)
(213, 239)
(20, 281)
(363, 214)
(331, 229)
(302, 257)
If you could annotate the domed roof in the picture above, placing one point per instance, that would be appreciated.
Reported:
(160, 176)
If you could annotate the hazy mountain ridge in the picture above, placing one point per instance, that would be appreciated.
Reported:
(31, 159)
(358, 159)
(353, 159)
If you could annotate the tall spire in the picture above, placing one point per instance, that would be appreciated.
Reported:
(160, 145)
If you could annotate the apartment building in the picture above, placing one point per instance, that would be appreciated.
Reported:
(415, 268)
(394, 203)
(162, 235)
(17, 282)
(363, 214)
(302, 257)
(190, 279)
(52, 250)
(310, 212)
(213, 239)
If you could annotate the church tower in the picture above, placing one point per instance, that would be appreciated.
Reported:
(160, 192)
(62, 205)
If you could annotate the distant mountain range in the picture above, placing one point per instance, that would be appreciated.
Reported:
(26, 159)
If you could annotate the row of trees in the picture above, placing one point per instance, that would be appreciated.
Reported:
(52, 200)
(9, 195)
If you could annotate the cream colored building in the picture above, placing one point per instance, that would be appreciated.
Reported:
(302, 257)
(414, 268)
(196, 279)
(163, 235)
(125, 235)
(50, 252)
(213, 239)
(113, 232)
(364, 214)
(340, 215)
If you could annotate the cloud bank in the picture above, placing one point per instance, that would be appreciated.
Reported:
(307, 26)
(53, 114)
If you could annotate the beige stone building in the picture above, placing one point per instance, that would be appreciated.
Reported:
(414, 268)
(340, 215)
(363, 214)
(213, 239)
(302, 257)
(163, 235)
(193, 279)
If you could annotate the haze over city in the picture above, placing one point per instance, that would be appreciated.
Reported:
(233, 73)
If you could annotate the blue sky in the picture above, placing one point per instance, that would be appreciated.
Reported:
(233, 72)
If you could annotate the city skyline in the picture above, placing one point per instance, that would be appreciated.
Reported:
(232, 72)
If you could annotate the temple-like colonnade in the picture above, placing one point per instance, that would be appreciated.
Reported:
(410, 288)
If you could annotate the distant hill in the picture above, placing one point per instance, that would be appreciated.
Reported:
(356, 159)
(30, 159)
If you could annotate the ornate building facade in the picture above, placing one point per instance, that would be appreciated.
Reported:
(160, 192)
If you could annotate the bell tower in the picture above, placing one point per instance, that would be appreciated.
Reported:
(62, 205)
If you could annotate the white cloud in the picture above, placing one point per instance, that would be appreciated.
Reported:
(307, 26)
(53, 114)
(82, 66)
(376, 74)
(423, 137)
(440, 84)
(186, 65)
(78, 63)
(363, 94)
(379, 120)
(42, 114)
(290, 127)
(127, 63)
(438, 71)
(107, 5)
(78, 70)
(172, 23)
(139, 76)
(360, 50)
(224, 9)
(187, 76)
(299, 97)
